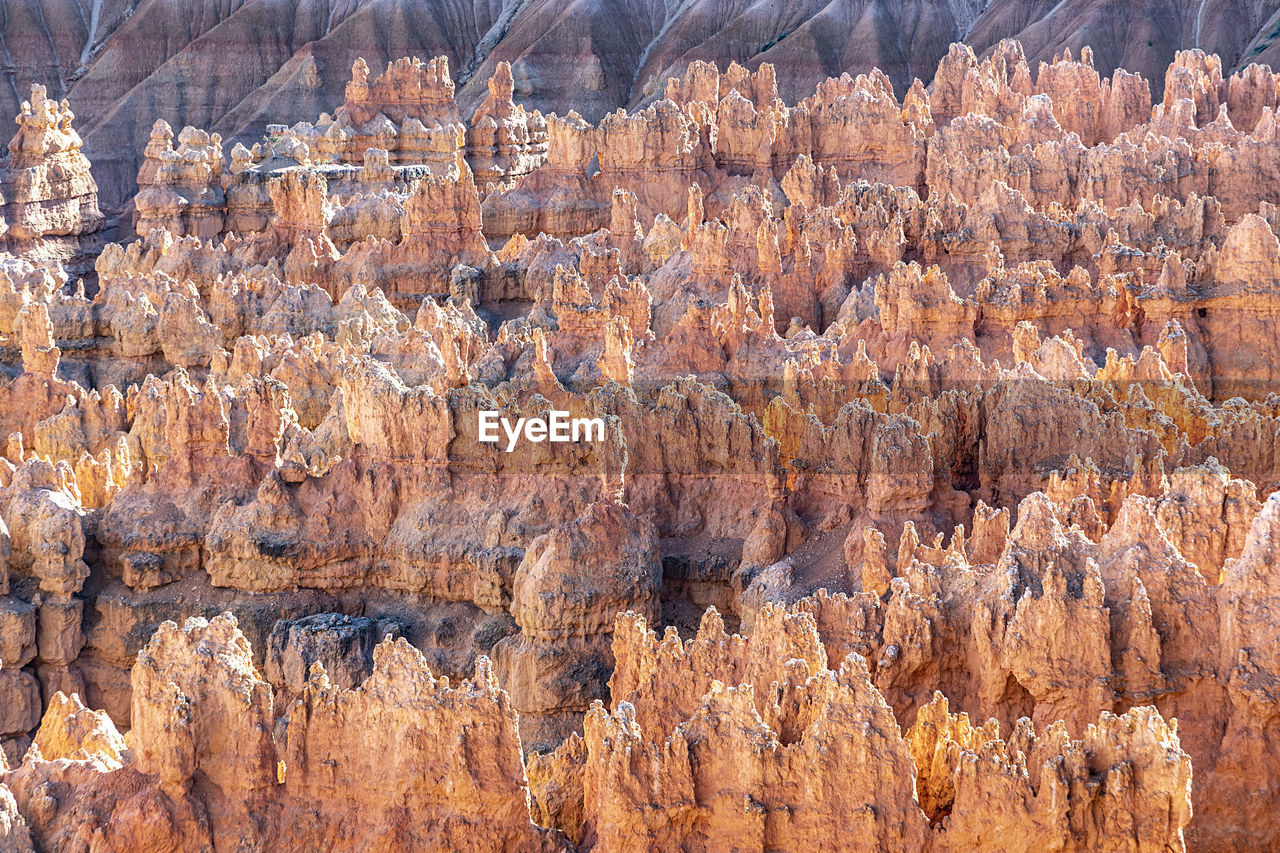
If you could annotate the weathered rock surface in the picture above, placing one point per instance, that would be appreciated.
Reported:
(342, 644)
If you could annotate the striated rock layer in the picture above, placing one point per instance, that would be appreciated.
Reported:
(936, 432)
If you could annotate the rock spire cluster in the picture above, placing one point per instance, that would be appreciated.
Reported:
(936, 499)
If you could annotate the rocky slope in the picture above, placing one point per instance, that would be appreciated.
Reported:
(233, 67)
(958, 406)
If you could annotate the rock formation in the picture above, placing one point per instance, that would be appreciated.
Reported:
(48, 199)
(234, 68)
(893, 468)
